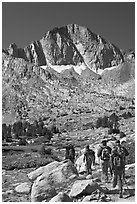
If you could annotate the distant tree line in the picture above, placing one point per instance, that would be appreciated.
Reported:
(26, 129)
(110, 122)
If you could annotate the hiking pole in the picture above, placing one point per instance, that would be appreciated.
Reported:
(100, 172)
(127, 186)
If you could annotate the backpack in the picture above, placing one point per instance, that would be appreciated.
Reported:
(105, 155)
(119, 157)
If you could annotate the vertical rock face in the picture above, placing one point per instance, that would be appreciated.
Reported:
(34, 53)
(71, 44)
(59, 50)
(129, 55)
(95, 50)
(13, 50)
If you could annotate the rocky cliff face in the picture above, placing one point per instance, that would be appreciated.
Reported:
(71, 44)
(32, 53)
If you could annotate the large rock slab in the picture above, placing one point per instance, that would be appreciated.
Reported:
(42, 191)
(84, 187)
(44, 169)
(61, 197)
(46, 184)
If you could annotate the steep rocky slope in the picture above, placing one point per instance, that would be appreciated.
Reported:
(59, 76)
(31, 91)
(71, 44)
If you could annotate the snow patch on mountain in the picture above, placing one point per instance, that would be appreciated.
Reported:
(100, 71)
(59, 68)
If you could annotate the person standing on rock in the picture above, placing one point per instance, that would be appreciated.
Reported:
(104, 153)
(89, 158)
(118, 159)
(70, 153)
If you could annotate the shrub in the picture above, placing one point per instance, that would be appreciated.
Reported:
(54, 129)
(22, 141)
(98, 123)
(121, 108)
(34, 150)
(110, 131)
(127, 115)
(4, 132)
(47, 133)
(113, 131)
(48, 151)
(102, 122)
(42, 150)
(113, 120)
(17, 128)
(88, 126)
(122, 134)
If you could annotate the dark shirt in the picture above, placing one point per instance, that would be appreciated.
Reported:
(89, 155)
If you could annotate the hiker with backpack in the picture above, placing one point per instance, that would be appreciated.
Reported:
(104, 153)
(118, 159)
(89, 158)
(70, 153)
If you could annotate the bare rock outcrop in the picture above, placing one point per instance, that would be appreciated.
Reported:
(70, 45)
(59, 49)
(95, 50)
(32, 53)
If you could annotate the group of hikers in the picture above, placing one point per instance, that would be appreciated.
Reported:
(112, 161)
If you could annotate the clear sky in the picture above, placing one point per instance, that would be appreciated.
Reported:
(23, 22)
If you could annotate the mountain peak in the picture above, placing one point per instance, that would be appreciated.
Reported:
(70, 45)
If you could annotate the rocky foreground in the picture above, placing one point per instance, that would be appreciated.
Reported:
(62, 182)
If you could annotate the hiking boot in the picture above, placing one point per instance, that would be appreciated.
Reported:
(120, 196)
